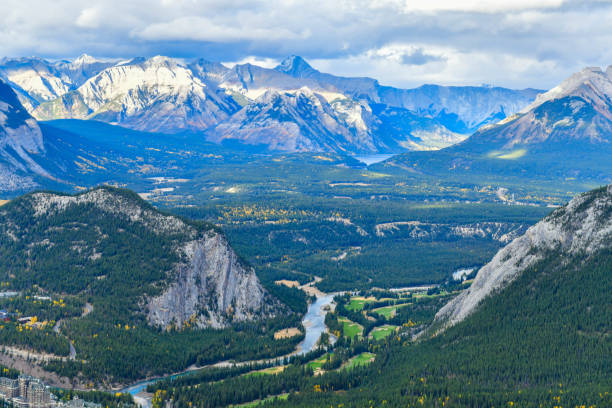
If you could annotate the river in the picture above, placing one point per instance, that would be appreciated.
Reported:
(314, 324)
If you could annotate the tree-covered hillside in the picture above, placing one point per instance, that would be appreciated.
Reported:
(137, 291)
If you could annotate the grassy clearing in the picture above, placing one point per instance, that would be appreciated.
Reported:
(266, 371)
(389, 311)
(358, 302)
(318, 363)
(381, 332)
(360, 360)
(424, 295)
(517, 154)
(351, 329)
(256, 403)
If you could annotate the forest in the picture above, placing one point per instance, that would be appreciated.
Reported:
(542, 341)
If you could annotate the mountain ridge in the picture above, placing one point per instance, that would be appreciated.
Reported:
(228, 291)
(164, 94)
(566, 134)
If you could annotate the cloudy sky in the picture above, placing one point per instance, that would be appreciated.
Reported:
(514, 43)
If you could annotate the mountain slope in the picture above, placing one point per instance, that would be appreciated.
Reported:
(173, 272)
(20, 140)
(579, 230)
(566, 133)
(36, 155)
(540, 338)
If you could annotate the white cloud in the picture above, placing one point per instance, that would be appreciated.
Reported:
(513, 43)
(262, 62)
(89, 18)
(205, 29)
(481, 6)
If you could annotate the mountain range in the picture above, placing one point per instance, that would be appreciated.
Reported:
(292, 107)
(565, 134)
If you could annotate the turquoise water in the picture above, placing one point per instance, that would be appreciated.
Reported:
(369, 159)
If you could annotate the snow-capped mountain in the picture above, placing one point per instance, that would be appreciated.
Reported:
(156, 94)
(37, 80)
(166, 95)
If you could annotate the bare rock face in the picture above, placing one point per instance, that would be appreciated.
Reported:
(20, 141)
(582, 227)
(503, 232)
(212, 289)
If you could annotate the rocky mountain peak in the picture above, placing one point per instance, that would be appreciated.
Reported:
(84, 59)
(591, 83)
(296, 66)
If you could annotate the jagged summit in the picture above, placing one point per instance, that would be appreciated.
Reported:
(296, 66)
(591, 83)
(84, 59)
(155, 94)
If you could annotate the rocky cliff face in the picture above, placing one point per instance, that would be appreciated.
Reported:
(581, 228)
(503, 232)
(212, 288)
(20, 141)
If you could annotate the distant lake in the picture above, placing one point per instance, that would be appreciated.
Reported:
(373, 158)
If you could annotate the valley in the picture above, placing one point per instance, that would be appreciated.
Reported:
(179, 232)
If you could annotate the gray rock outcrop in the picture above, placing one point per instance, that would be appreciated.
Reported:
(211, 289)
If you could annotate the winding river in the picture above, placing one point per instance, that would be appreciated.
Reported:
(313, 322)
